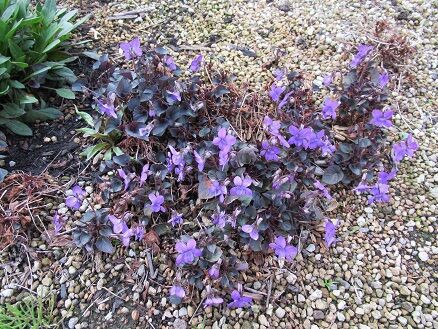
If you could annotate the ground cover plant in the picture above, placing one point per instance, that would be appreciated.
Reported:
(167, 169)
(33, 313)
(33, 61)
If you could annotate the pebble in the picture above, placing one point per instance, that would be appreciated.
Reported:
(423, 256)
(280, 313)
(263, 321)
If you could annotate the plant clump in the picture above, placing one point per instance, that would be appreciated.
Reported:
(225, 199)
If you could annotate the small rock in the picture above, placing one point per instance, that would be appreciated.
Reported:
(341, 317)
(7, 292)
(182, 312)
(360, 311)
(135, 314)
(318, 315)
(316, 294)
(423, 256)
(311, 247)
(321, 304)
(46, 281)
(180, 324)
(376, 314)
(263, 321)
(72, 322)
(280, 313)
(405, 291)
(341, 304)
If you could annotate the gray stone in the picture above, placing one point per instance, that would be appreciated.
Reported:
(72, 322)
(263, 321)
(280, 313)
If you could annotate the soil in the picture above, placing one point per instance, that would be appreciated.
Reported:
(34, 155)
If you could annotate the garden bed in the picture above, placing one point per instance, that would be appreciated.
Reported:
(379, 272)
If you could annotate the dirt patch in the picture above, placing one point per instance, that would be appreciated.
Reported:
(36, 155)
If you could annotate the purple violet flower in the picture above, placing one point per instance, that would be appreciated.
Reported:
(327, 80)
(330, 233)
(239, 301)
(223, 140)
(329, 108)
(118, 224)
(241, 187)
(282, 249)
(382, 118)
(131, 49)
(74, 201)
(300, 136)
(404, 148)
(177, 291)
(223, 158)
(285, 100)
(176, 219)
(126, 177)
(126, 235)
(269, 151)
(316, 140)
(323, 189)
(106, 106)
(170, 63)
(383, 79)
(362, 52)
(187, 252)
(279, 74)
(411, 146)
(361, 187)
(199, 160)
(251, 230)
(196, 63)
(212, 301)
(176, 162)
(272, 126)
(138, 233)
(173, 96)
(156, 202)
(219, 219)
(276, 92)
(218, 189)
(57, 222)
(379, 193)
(145, 172)
(213, 272)
(385, 177)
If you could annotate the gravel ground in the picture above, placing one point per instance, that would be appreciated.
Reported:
(380, 274)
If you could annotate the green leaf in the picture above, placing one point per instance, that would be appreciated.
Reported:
(4, 90)
(42, 70)
(4, 59)
(65, 93)
(48, 113)
(51, 45)
(48, 11)
(27, 99)
(3, 70)
(20, 64)
(9, 12)
(18, 127)
(16, 84)
(91, 151)
(11, 110)
(15, 50)
(104, 245)
(14, 28)
(86, 117)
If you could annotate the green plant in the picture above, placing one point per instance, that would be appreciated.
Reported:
(31, 59)
(328, 283)
(31, 313)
